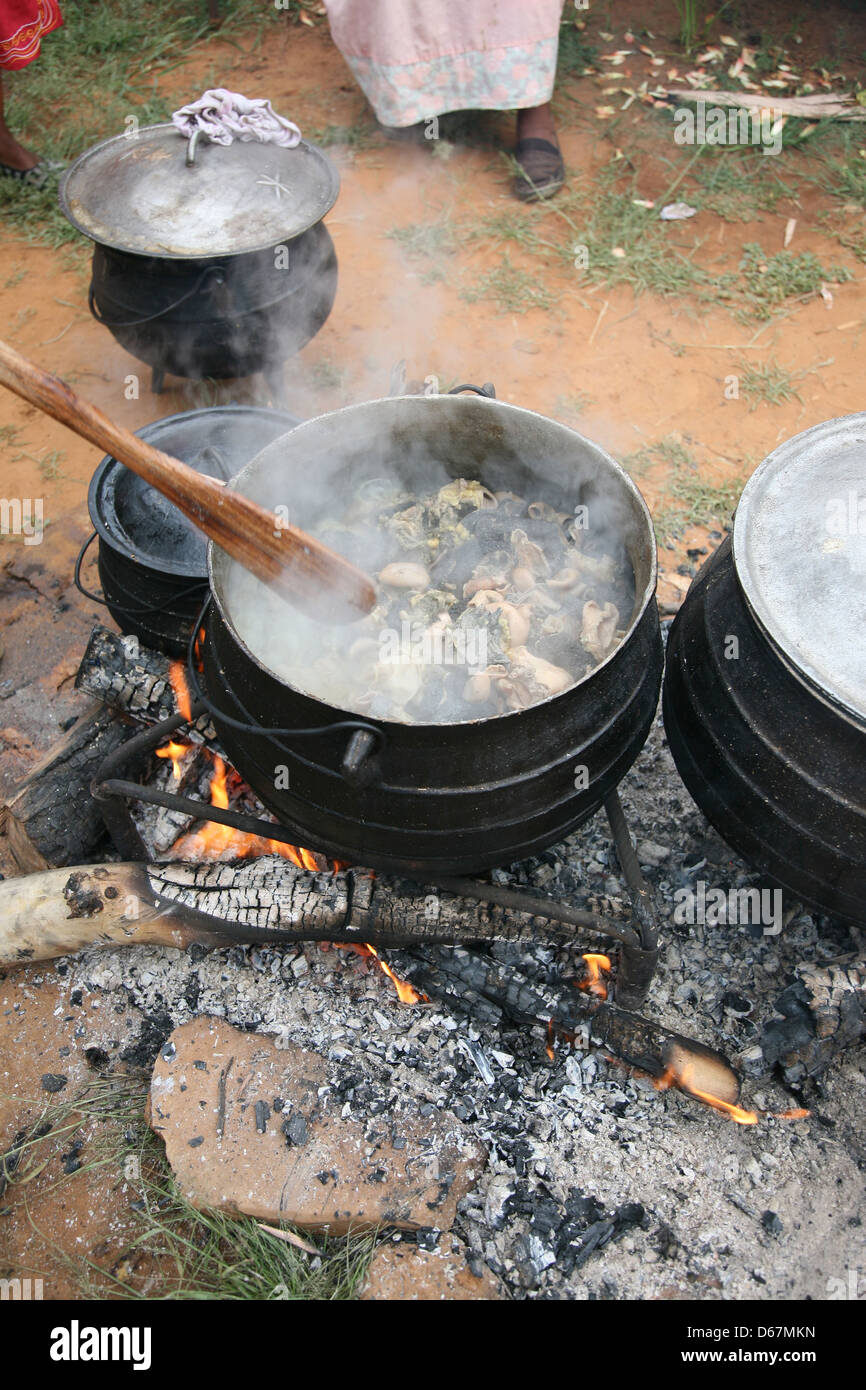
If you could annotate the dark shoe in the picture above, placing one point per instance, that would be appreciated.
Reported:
(37, 177)
(543, 171)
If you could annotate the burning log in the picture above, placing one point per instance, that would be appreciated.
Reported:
(267, 900)
(141, 684)
(669, 1058)
(36, 819)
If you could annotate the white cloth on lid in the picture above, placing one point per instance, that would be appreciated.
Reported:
(226, 116)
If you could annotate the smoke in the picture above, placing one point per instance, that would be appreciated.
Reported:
(369, 481)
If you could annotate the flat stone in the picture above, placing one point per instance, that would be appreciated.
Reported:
(311, 1166)
(405, 1274)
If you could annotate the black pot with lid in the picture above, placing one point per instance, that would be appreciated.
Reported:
(209, 260)
(765, 681)
(152, 561)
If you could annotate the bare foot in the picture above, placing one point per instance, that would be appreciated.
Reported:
(15, 155)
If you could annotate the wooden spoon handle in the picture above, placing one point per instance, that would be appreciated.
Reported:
(304, 571)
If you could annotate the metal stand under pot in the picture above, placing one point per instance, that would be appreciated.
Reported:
(209, 260)
(765, 680)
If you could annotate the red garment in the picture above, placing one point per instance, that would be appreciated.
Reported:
(23, 24)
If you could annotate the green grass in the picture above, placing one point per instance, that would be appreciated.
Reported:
(572, 406)
(688, 13)
(684, 497)
(769, 282)
(842, 171)
(739, 185)
(188, 1254)
(429, 239)
(605, 219)
(100, 68)
(327, 376)
(767, 384)
(575, 53)
(509, 287)
(363, 134)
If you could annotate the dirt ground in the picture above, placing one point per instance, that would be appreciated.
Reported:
(627, 370)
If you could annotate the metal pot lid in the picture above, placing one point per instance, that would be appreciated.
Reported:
(800, 556)
(137, 193)
(134, 519)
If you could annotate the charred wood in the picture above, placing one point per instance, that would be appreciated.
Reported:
(50, 819)
(821, 1012)
(134, 681)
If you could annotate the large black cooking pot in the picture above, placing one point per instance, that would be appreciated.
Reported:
(765, 680)
(209, 260)
(218, 317)
(454, 797)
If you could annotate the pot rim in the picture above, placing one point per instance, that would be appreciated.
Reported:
(796, 476)
(647, 595)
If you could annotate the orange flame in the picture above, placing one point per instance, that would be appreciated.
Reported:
(177, 752)
(406, 993)
(181, 689)
(549, 1049)
(682, 1081)
(593, 983)
(214, 841)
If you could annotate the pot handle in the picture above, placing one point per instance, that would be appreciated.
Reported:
(488, 390)
(118, 608)
(357, 766)
(249, 725)
(160, 313)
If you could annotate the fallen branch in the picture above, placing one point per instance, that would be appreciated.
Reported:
(812, 108)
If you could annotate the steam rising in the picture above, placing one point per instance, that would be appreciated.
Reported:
(432, 496)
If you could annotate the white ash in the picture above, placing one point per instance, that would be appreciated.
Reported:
(597, 1185)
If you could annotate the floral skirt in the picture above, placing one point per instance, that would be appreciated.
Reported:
(414, 59)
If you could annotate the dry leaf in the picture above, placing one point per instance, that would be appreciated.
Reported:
(790, 228)
(827, 296)
(290, 1237)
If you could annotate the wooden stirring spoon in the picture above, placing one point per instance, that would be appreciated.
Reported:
(300, 568)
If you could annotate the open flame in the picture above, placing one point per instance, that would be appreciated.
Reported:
(406, 993)
(683, 1081)
(215, 841)
(180, 688)
(597, 966)
(177, 752)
